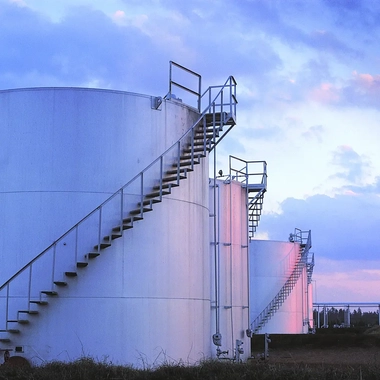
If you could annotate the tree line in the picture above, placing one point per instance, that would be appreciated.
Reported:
(339, 318)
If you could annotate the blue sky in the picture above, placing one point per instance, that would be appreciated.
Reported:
(308, 89)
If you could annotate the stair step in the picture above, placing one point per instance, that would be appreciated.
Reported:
(138, 210)
(195, 150)
(187, 156)
(220, 118)
(102, 246)
(49, 292)
(181, 170)
(42, 303)
(12, 331)
(81, 264)
(60, 283)
(173, 178)
(209, 135)
(5, 340)
(149, 202)
(115, 235)
(71, 274)
(30, 312)
(92, 255)
(165, 186)
(124, 227)
(132, 219)
(189, 163)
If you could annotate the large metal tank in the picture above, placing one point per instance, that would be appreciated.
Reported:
(144, 301)
(271, 265)
(229, 263)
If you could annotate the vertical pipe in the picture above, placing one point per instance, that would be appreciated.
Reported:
(161, 174)
(217, 322)
(29, 286)
(100, 228)
(7, 309)
(248, 256)
(121, 209)
(53, 267)
(76, 244)
(231, 266)
(142, 193)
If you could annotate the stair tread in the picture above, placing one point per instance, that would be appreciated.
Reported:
(60, 283)
(31, 312)
(139, 210)
(102, 246)
(71, 274)
(49, 292)
(39, 302)
(81, 264)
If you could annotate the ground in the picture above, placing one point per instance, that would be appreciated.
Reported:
(330, 347)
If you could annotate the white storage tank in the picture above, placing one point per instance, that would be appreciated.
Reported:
(229, 263)
(279, 290)
(145, 299)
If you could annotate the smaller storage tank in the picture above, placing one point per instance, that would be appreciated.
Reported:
(229, 269)
(280, 292)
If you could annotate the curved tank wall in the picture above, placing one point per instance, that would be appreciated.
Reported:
(146, 299)
(64, 150)
(229, 263)
(271, 264)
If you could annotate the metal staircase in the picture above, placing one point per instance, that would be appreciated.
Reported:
(304, 240)
(23, 295)
(253, 176)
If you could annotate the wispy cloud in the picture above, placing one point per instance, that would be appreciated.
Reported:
(351, 166)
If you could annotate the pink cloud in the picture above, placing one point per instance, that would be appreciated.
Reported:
(325, 93)
(367, 82)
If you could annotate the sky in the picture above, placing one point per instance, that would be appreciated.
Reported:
(308, 74)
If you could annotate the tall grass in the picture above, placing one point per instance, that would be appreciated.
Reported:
(88, 369)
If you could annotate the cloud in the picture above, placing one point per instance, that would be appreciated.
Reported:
(85, 47)
(315, 132)
(343, 227)
(351, 166)
(346, 280)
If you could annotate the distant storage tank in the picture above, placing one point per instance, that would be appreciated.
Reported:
(280, 292)
(146, 298)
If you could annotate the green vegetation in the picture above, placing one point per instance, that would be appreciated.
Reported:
(87, 369)
(328, 355)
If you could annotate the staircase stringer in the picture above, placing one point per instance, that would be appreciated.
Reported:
(133, 200)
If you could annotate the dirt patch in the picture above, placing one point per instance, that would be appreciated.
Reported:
(328, 348)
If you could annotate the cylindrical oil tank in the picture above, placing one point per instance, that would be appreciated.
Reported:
(271, 265)
(229, 263)
(144, 300)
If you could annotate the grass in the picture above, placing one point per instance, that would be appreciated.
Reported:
(88, 369)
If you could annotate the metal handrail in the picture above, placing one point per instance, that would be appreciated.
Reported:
(185, 88)
(171, 155)
(245, 174)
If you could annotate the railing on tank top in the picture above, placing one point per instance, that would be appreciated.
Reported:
(77, 242)
(253, 176)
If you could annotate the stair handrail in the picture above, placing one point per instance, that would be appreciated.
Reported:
(230, 83)
(304, 239)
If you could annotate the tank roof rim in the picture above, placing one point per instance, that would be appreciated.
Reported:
(65, 88)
